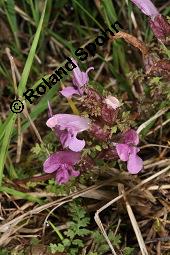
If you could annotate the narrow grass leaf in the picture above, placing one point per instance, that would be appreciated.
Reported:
(5, 145)
(31, 55)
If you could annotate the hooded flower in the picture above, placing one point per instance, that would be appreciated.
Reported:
(80, 79)
(67, 127)
(159, 24)
(62, 162)
(127, 151)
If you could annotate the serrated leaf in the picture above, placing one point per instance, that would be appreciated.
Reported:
(83, 232)
(70, 233)
(84, 222)
(56, 248)
(66, 242)
(128, 251)
(78, 242)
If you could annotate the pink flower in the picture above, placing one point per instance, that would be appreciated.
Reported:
(80, 79)
(62, 163)
(127, 151)
(67, 127)
(158, 24)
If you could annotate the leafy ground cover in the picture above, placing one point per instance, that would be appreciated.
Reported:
(108, 193)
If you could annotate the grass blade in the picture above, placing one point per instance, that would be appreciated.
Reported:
(5, 145)
(31, 55)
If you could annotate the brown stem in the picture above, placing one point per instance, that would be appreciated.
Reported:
(132, 40)
(35, 179)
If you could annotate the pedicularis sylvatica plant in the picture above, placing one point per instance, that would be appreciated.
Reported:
(100, 118)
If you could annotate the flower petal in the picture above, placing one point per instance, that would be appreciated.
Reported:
(64, 136)
(89, 69)
(147, 7)
(62, 175)
(135, 164)
(123, 151)
(80, 78)
(76, 144)
(69, 91)
(51, 165)
(72, 172)
(69, 121)
(84, 78)
(61, 157)
(77, 74)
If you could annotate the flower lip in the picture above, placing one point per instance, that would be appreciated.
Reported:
(59, 158)
(127, 151)
(67, 126)
(135, 164)
(62, 163)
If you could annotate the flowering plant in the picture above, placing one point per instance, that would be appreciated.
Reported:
(102, 114)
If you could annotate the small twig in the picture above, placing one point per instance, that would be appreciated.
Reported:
(161, 239)
(35, 179)
(154, 145)
(159, 163)
(133, 41)
(158, 127)
(157, 187)
(12, 63)
(134, 224)
(156, 116)
(97, 218)
(26, 114)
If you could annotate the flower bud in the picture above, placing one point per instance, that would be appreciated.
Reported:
(92, 102)
(108, 154)
(108, 114)
(98, 132)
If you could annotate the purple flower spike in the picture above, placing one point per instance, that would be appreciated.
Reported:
(80, 79)
(127, 151)
(67, 127)
(62, 163)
